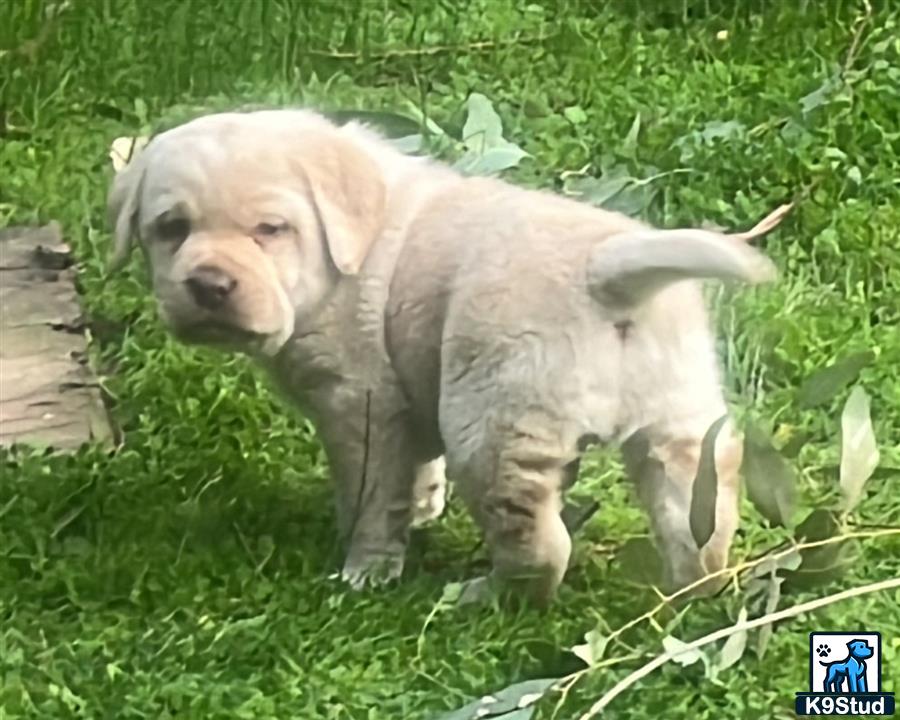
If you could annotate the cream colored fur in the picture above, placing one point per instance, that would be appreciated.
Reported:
(420, 317)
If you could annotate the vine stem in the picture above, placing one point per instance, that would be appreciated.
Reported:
(792, 611)
(567, 682)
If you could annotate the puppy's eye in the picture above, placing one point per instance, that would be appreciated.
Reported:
(270, 229)
(174, 229)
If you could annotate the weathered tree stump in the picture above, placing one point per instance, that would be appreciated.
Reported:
(48, 393)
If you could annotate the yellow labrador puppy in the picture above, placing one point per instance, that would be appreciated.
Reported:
(413, 313)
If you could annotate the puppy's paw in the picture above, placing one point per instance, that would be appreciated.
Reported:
(429, 492)
(371, 569)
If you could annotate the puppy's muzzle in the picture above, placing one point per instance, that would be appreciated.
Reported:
(210, 286)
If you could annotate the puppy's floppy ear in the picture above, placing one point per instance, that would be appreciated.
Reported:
(349, 194)
(123, 204)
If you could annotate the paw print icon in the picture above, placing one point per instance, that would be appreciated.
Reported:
(822, 650)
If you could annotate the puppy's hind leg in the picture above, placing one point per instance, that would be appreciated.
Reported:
(515, 496)
(664, 466)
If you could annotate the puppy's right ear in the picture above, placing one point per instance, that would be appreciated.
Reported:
(123, 204)
(349, 194)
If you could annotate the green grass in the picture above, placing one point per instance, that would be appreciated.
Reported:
(188, 574)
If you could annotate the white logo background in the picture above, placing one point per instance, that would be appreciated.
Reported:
(836, 646)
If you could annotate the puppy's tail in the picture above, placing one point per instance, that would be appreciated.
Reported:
(627, 269)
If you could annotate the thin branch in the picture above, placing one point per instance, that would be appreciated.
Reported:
(732, 571)
(735, 570)
(766, 225)
(793, 611)
(480, 46)
(857, 38)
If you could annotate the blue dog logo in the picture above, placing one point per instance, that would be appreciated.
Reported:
(850, 672)
(847, 686)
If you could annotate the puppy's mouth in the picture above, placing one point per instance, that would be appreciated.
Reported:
(224, 336)
(213, 332)
(236, 326)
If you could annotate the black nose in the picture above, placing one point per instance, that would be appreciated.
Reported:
(210, 286)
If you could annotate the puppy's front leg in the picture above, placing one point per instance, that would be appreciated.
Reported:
(368, 443)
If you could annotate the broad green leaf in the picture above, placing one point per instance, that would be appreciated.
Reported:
(522, 693)
(762, 576)
(640, 562)
(631, 139)
(788, 561)
(597, 191)
(507, 704)
(483, 129)
(535, 107)
(733, 649)
(468, 711)
(822, 564)
(525, 713)
(593, 648)
(706, 487)
(409, 144)
(820, 524)
(633, 200)
(616, 189)
(791, 449)
(423, 120)
(491, 161)
(882, 472)
(576, 513)
(487, 152)
(451, 593)
(475, 591)
(772, 598)
(859, 452)
(140, 110)
(721, 130)
(770, 480)
(822, 95)
(684, 657)
(575, 114)
(823, 385)
(709, 134)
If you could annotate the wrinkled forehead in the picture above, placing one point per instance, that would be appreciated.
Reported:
(216, 170)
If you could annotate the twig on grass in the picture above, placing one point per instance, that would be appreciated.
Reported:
(567, 682)
(749, 565)
(855, 45)
(792, 611)
(766, 225)
(480, 46)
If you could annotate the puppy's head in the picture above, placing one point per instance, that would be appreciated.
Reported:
(247, 221)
